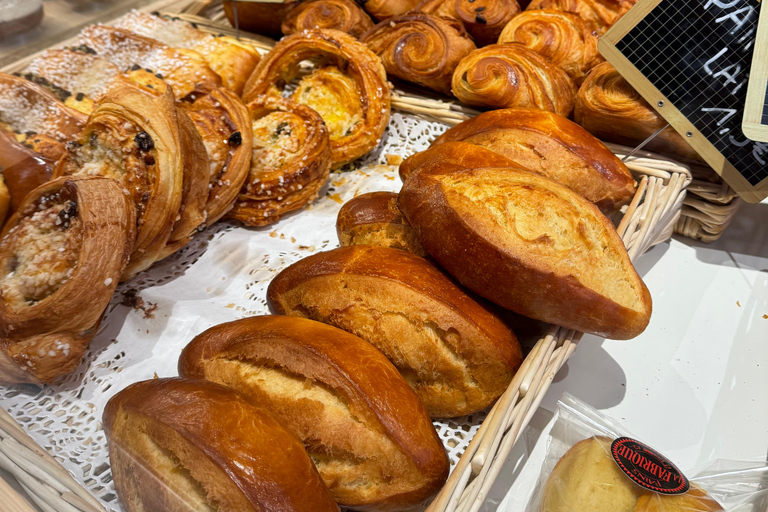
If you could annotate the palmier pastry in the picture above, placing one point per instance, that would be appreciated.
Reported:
(381, 10)
(374, 219)
(599, 15)
(560, 36)
(456, 354)
(552, 146)
(336, 393)
(612, 110)
(61, 256)
(529, 245)
(455, 155)
(420, 48)
(289, 164)
(179, 445)
(135, 139)
(183, 70)
(258, 17)
(354, 103)
(483, 19)
(232, 60)
(511, 75)
(343, 15)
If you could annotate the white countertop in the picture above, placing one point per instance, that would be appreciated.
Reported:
(693, 385)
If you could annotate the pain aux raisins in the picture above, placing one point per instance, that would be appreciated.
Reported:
(144, 141)
(235, 139)
(66, 214)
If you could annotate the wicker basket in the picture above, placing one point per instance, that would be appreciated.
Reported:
(650, 219)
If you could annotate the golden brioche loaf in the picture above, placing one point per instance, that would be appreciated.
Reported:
(695, 500)
(364, 427)
(455, 155)
(374, 219)
(552, 146)
(529, 245)
(456, 354)
(180, 445)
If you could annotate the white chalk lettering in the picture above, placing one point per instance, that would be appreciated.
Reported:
(720, 4)
(741, 84)
(727, 113)
(745, 12)
(730, 73)
(707, 64)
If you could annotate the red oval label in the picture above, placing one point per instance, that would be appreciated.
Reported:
(647, 467)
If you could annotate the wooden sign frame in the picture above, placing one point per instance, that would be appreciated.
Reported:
(753, 125)
(607, 47)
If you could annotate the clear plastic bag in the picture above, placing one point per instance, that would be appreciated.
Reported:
(594, 465)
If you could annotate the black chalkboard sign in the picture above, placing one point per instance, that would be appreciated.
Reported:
(691, 61)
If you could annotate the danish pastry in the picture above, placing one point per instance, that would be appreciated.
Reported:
(343, 15)
(420, 48)
(381, 10)
(290, 161)
(348, 88)
(599, 15)
(511, 75)
(483, 19)
(61, 256)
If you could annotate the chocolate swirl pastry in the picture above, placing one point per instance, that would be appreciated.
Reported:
(420, 48)
(483, 19)
(348, 87)
(560, 36)
(381, 10)
(599, 15)
(135, 139)
(344, 15)
(61, 256)
(612, 110)
(229, 58)
(290, 161)
(511, 75)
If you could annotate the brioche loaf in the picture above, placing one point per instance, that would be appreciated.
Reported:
(456, 354)
(181, 445)
(529, 245)
(374, 219)
(364, 427)
(552, 146)
(695, 500)
(453, 155)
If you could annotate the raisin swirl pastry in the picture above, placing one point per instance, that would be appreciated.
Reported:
(290, 162)
(348, 87)
(343, 15)
(560, 36)
(612, 110)
(483, 19)
(511, 75)
(232, 60)
(135, 139)
(599, 15)
(61, 255)
(420, 48)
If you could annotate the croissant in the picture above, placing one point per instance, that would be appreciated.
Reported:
(560, 36)
(181, 69)
(511, 75)
(343, 15)
(258, 17)
(610, 109)
(290, 162)
(61, 256)
(483, 19)
(381, 10)
(599, 15)
(350, 92)
(135, 139)
(232, 60)
(420, 48)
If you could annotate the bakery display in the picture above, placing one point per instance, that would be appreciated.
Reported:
(336, 393)
(552, 146)
(511, 75)
(180, 445)
(560, 36)
(456, 354)
(529, 245)
(229, 58)
(258, 17)
(456, 155)
(344, 15)
(598, 14)
(374, 219)
(420, 48)
(612, 110)
(289, 163)
(61, 254)
(483, 19)
(349, 89)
